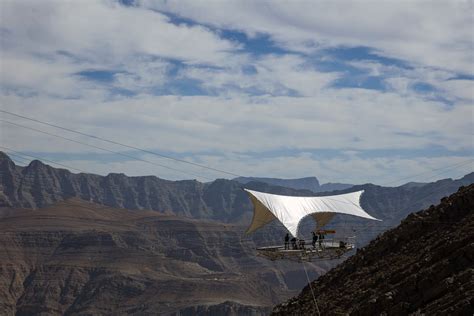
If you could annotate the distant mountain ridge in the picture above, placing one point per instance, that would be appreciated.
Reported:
(308, 183)
(38, 185)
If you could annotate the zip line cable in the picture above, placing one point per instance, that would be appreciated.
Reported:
(172, 158)
(451, 167)
(17, 153)
(311, 288)
(419, 174)
(455, 166)
(18, 159)
(107, 150)
(121, 144)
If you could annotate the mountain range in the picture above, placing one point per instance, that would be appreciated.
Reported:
(38, 185)
(101, 227)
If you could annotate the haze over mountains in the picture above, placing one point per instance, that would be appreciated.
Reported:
(137, 241)
(308, 183)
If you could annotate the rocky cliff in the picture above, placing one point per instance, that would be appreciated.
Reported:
(81, 258)
(38, 185)
(422, 267)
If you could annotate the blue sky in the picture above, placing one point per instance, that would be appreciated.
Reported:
(272, 89)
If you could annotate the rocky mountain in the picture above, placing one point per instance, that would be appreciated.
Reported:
(39, 185)
(328, 187)
(422, 267)
(70, 243)
(81, 258)
(309, 183)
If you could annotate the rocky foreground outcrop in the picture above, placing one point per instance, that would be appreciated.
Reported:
(425, 266)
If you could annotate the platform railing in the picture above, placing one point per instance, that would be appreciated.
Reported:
(323, 244)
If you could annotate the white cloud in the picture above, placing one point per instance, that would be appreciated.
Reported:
(27, 75)
(106, 32)
(434, 33)
(401, 80)
(272, 74)
(45, 45)
(463, 89)
(142, 74)
(333, 119)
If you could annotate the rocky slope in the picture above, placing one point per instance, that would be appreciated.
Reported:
(425, 266)
(80, 258)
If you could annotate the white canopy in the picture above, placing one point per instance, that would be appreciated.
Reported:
(290, 210)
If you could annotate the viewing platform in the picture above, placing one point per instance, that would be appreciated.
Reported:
(325, 250)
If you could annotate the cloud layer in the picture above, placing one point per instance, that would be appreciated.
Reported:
(255, 88)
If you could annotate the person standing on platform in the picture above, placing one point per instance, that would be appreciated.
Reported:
(315, 239)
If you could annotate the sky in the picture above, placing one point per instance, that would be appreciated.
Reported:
(347, 91)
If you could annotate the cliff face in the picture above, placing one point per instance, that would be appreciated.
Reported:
(77, 257)
(425, 266)
(39, 185)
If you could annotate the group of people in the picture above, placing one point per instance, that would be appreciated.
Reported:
(300, 243)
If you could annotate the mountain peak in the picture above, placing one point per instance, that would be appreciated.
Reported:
(36, 164)
(117, 175)
(469, 176)
(6, 161)
(4, 156)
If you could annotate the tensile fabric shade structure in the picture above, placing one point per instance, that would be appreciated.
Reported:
(290, 210)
